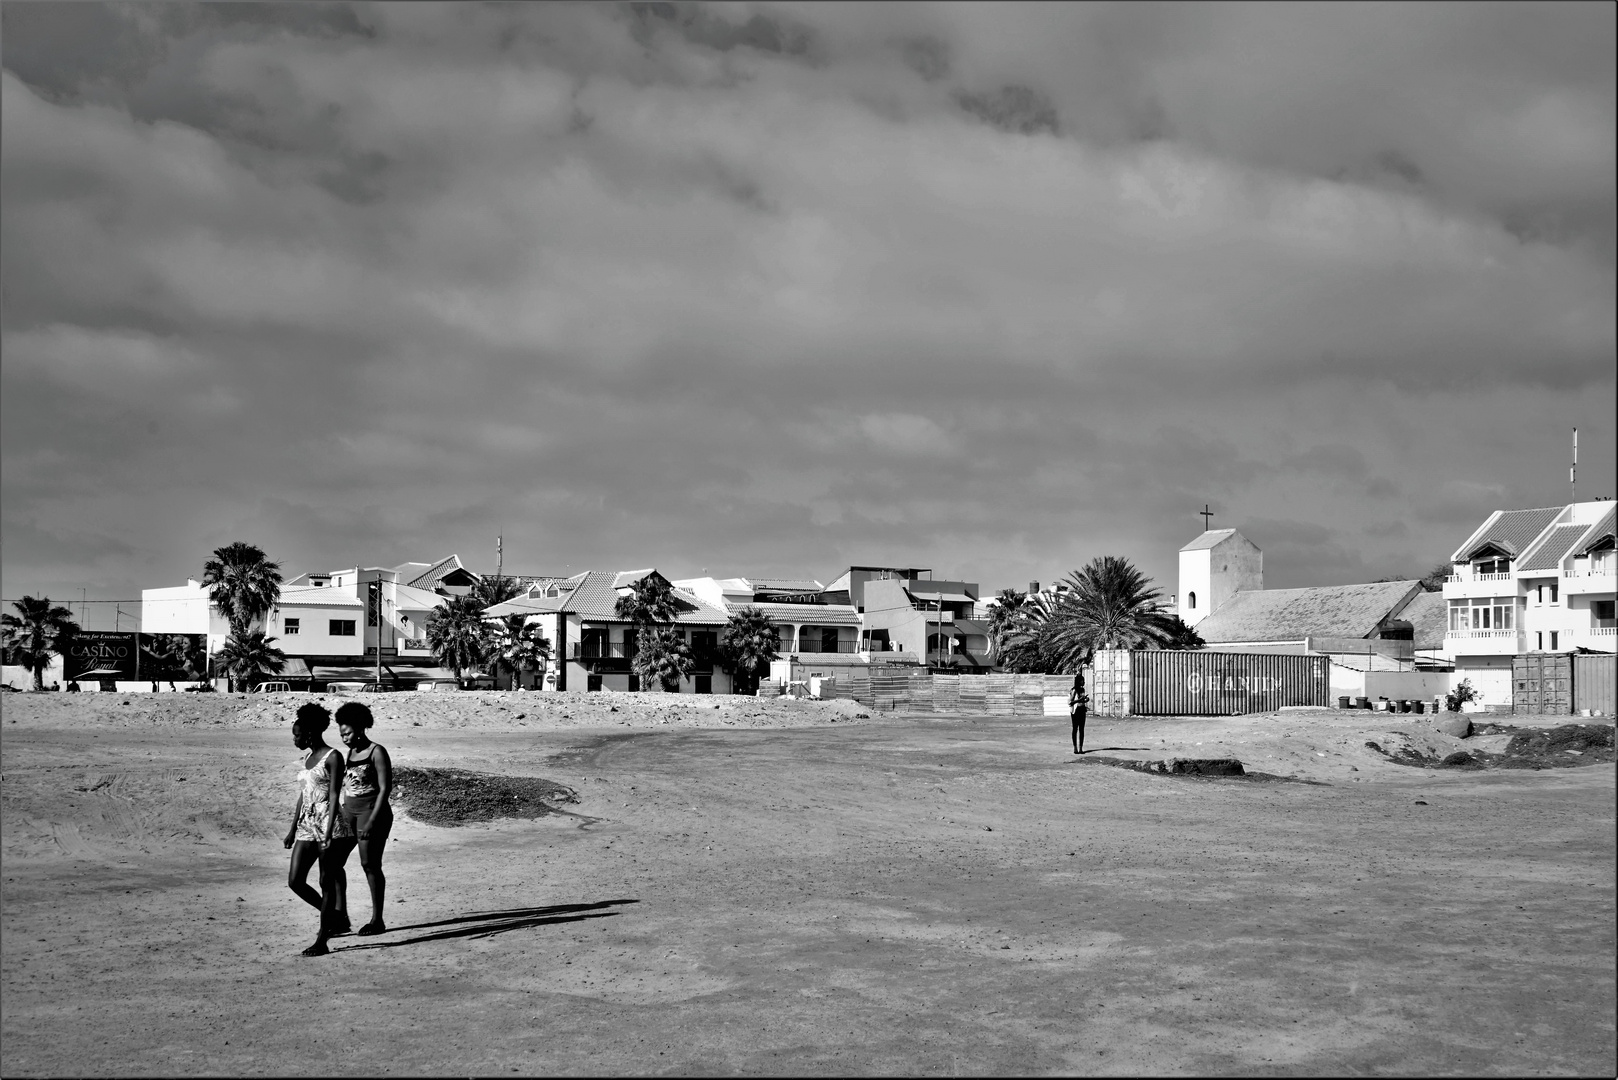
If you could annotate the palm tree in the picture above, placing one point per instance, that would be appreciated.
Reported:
(649, 602)
(1002, 617)
(1181, 636)
(37, 632)
(248, 657)
(242, 583)
(747, 644)
(1026, 642)
(503, 631)
(458, 635)
(496, 590)
(524, 648)
(662, 654)
(1109, 605)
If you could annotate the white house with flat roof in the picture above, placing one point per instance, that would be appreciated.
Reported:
(332, 625)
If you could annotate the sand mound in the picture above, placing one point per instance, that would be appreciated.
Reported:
(475, 709)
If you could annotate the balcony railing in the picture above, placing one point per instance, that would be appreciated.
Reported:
(1606, 571)
(1476, 635)
(826, 647)
(418, 647)
(590, 650)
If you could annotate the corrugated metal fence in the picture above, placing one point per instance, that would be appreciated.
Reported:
(1150, 682)
(1594, 682)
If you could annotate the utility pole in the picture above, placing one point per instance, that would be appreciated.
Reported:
(499, 555)
(377, 585)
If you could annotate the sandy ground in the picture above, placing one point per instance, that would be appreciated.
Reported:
(785, 888)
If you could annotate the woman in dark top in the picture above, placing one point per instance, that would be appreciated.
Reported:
(1078, 706)
(365, 810)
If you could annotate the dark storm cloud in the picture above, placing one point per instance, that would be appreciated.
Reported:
(994, 289)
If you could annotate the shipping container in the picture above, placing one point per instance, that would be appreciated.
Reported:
(1542, 684)
(1152, 682)
(1593, 684)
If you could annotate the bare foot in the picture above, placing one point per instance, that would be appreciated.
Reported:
(372, 928)
(317, 949)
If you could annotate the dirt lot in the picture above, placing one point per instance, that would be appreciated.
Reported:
(783, 888)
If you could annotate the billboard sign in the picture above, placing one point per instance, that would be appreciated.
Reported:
(101, 651)
(127, 656)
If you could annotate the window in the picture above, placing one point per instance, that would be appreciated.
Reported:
(290, 626)
(704, 646)
(1553, 592)
(1494, 613)
(341, 628)
(1603, 612)
(1458, 617)
(1553, 641)
(1539, 641)
(1489, 564)
(828, 639)
(1191, 601)
(595, 643)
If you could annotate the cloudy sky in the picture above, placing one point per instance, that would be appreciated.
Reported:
(778, 288)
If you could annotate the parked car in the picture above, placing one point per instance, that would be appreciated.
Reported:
(273, 688)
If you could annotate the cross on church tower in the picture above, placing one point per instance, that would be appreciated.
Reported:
(1207, 516)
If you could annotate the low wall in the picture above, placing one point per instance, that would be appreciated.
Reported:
(1393, 685)
(910, 689)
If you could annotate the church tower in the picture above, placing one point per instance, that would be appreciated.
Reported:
(1213, 568)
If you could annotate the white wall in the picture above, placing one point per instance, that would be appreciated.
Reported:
(23, 679)
(182, 609)
(314, 636)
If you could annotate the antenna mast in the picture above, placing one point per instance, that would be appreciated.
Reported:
(1573, 470)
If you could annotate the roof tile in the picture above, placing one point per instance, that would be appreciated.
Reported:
(1345, 611)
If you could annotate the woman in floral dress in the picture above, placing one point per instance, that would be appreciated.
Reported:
(315, 823)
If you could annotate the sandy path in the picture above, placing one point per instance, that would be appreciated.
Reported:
(895, 895)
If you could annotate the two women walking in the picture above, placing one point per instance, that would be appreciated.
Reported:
(342, 804)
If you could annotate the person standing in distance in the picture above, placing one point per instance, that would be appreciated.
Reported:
(1078, 707)
(366, 811)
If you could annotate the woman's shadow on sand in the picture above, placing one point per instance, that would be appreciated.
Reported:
(484, 924)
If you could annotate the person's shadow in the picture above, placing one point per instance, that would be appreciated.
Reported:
(1103, 749)
(489, 923)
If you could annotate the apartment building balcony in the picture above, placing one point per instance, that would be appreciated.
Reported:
(811, 646)
(415, 648)
(1484, 642)
(1599, 638)
(1460, 586)
(1589, 581)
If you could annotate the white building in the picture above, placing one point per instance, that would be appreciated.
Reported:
(331, 625)
(1213, 568)
(1539, 580)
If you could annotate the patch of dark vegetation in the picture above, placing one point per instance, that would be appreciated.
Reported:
(1560, 747)
(1492, 728)
(451, 797)
(1198, 769)
(1405, 755)
(1550, 748)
